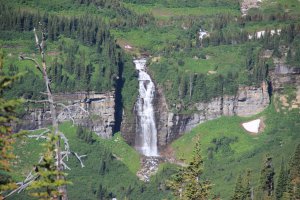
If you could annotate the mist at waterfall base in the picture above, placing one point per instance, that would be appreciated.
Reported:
(146, 137)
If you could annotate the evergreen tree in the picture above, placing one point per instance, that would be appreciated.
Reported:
(267, 178)
(295, 165)
(47, 173)
(288, 194)
(282, 181)
(186, 184)
(248, 189)
(7, 115)
(239, 190)
(295, 174)
(243, 187)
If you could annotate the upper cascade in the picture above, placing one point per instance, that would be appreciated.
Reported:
(146, 137)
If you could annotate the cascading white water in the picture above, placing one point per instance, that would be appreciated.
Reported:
(146, 138)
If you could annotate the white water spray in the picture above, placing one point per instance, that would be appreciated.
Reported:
(146, 138)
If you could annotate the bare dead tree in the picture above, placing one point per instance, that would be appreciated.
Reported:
(60, 154)
(43, 69)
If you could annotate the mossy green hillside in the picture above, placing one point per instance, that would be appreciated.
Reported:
(110, 168)
(229, 150)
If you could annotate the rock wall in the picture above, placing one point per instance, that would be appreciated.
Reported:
(97, 111)
(284, 76)
(247, 102)
(93, 110)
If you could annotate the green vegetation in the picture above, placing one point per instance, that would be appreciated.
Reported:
(82, 54)
(187, 183)
(86, 52)
(115, 145)
(237, 150)
(168, 30)
(49, 178)
(106, 162)
(267, 179)
(8, 111)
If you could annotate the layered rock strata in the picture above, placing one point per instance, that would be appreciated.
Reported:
(283, 78)
(248, 101)
(92, 110)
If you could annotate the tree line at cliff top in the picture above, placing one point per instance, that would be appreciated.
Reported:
(76, 68)
(194, 86)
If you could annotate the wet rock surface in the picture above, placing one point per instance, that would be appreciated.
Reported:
(149, 166)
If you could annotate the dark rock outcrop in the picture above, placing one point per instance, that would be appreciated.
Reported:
(284, 76)
(92, 110)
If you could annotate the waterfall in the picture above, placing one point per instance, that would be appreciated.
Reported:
(146, 137)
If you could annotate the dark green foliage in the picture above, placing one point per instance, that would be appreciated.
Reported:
(187, 88)
(293, 186)
(121, 16)
(20, 87)
(222, 145)
(282, 181)
(295, 165)
(248, 188)
(47, 182)
(89, 30)
(85, 135)
(129, 84)
(7, 116)
(87, 57)
(187, 183)
(239, 190)
(75, 69)
(243, 188)
(267, 178)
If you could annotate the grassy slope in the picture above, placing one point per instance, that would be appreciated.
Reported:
(168, 21)
(278, 139)
(118, 178)
(220, 59)
(162, 12)
(116, 145)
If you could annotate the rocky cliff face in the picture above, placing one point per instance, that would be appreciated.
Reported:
(287, 78)
(93, 110)
(248, 101)
(97, 111)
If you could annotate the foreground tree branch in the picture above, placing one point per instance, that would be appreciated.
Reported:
(60, 165)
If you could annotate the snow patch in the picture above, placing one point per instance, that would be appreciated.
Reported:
(252, 126)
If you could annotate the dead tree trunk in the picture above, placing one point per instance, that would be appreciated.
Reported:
(43, 69)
